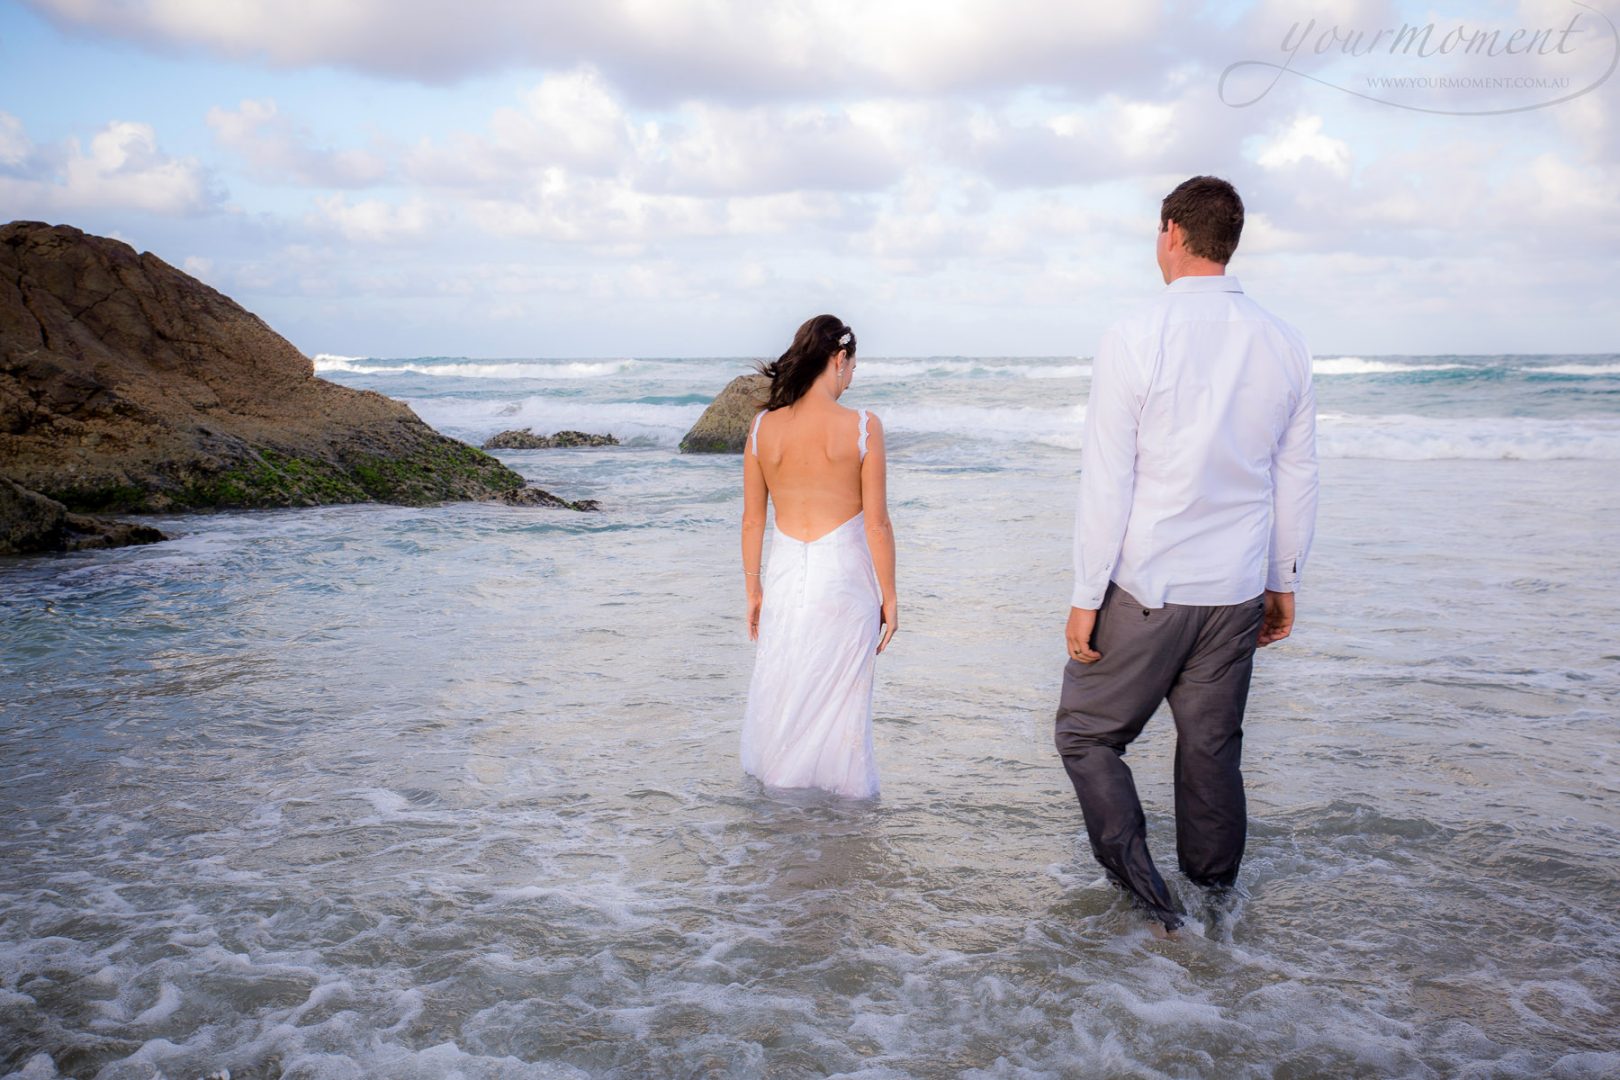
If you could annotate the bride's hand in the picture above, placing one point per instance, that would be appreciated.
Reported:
(756, 599)
(891, 622)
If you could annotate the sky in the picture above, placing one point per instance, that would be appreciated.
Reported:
(666, 178)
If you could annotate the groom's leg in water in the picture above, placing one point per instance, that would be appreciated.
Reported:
(1103, 708)
(1208, 699)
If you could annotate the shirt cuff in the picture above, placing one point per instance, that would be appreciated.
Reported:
(1283, 574)
(1087, 597)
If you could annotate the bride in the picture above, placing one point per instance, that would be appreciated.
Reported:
(826, 606)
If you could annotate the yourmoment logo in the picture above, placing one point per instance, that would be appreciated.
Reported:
(1453, 69)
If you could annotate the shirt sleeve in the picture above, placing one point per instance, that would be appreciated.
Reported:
(1107, 470)
(1294, 484)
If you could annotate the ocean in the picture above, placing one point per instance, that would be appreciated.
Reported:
(453, 792)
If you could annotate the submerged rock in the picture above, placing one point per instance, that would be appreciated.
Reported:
(723, 427)
(30, 523)
(126, 385)
(533, 496)
(526, 439)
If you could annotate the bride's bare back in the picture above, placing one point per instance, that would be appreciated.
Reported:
(810, 453)
(818, 462)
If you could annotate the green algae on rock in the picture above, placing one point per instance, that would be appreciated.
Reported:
(723, 427)
(526, 439)
(129, 386)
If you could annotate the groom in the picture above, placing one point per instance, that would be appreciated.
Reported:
(1197, 503)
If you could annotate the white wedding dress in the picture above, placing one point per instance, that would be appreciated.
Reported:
(809, 718)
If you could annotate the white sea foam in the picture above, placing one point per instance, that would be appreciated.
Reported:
(479, 418)
(900, 370)
(875, 370)
(665, 424)
(1355, 365)
(1595, 370)
(438, 781)
(168, 1002)
(1429, 438)
(38, 1067)
(705, 371)
(1340, 435)
(515, 369)
(1053, 427)
(1398, 437)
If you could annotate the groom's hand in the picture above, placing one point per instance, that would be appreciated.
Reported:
(1082, 621)
(1278, 621)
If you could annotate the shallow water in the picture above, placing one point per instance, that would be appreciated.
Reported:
(372, 791)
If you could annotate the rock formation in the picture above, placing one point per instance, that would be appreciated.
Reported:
(126, 385)
(528, 440)
(29, 523)
(723, 427)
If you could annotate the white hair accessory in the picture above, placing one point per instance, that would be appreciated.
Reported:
(845, 339)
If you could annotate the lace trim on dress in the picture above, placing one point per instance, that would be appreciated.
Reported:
(866, 420)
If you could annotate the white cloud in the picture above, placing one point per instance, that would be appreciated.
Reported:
(1572, 189)
(934, 157)
(1302, 142)
(572, 123)
(722, 151)
(14, 142)
(1145, 127)
(373, 220)
(1564, 208)
(611, 217)
(278, 151)
(819, 212)
(752, 275)
(573, 116)
(568, 120)
(1110, 138)
(666, 50)
(560, 207)
(124, 169)
(1263, 236)
(1456, 196)
(572, 164)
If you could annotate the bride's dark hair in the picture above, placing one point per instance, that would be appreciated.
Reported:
(817, 341)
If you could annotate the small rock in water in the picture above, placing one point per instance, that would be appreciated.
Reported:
(526, 439)
(723, 427)
(30, 522)
(533, 496)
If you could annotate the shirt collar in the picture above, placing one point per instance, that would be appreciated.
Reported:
(1204, 283)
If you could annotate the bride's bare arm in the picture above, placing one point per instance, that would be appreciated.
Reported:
(753, 537)
(879, 531)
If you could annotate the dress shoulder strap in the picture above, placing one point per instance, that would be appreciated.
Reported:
(753, 433)
(866, 418)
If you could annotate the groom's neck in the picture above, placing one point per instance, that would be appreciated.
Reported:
(1194, 267)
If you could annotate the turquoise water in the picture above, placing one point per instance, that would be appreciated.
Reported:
(374, 791)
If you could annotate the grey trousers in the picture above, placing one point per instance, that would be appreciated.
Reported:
(1200, 658)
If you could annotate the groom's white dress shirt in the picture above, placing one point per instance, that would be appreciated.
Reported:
(1198, 475)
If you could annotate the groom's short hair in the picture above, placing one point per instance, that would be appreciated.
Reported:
(1209, 212)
